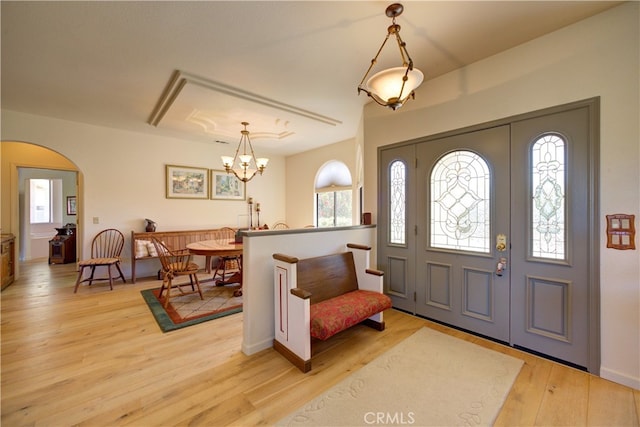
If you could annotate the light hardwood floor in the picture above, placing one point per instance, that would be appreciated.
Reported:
(97, 358)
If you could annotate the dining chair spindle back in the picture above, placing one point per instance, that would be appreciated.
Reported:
(106, 248)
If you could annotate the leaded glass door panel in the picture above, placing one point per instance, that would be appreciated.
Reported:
(463, 204)
(396, 224)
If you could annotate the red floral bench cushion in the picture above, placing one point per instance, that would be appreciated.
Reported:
(339, 313)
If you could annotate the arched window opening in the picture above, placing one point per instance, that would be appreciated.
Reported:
(334, 195)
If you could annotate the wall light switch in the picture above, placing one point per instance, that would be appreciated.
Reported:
(96, 220)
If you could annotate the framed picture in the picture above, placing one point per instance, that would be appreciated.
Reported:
(71, 205)
(226, 186)
(185, 182)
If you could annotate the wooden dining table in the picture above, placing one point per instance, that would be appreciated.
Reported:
(219, 248)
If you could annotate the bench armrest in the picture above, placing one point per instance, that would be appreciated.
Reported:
(301, 293)
(285, 258)
(372, 281)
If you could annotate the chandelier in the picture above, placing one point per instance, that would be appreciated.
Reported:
(393, 86)
(248, 165)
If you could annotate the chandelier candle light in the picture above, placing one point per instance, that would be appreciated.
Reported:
(258, 214)
(250, 203)
(248, 165)
(393, 86)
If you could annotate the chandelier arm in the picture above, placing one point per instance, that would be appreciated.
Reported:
(243, 178)
(373, 62)
(235, 157)
(377, 99)
(403, 50)
(244, 146)
(253, 156)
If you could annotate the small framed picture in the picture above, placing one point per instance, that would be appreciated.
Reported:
(184, 182)
(621, 231)
(71, 205)
(226, 186)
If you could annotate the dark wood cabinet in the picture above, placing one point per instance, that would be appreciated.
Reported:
(62, 248)
(8, 259)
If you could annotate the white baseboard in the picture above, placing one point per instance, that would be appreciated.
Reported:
(620, 378)
(252, 349)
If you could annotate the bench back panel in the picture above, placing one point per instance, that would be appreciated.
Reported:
(174, 239)
(327, 276)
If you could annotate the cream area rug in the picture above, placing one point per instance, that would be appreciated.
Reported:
(429, 379)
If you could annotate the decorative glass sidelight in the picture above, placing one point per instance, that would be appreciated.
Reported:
(548, 197)
(397, 202)
(461, 203)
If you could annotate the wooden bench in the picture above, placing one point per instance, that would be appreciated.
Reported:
(141, 243)
(315, 298)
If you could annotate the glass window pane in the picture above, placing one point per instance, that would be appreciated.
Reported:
(325, 209)
(334, 208)
(343, 208)
(461, 203)
(397, 202)
(40, 201)
(548, 165)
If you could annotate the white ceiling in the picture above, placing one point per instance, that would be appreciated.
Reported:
(195, 70)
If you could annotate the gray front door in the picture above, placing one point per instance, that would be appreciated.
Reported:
(500, 231)
(463, 204)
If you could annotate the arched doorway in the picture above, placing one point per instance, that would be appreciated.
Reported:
(18, 156)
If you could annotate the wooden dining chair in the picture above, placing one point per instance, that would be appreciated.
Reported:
(228, 264)
(176, 263)
(106, 248)
(279, 226)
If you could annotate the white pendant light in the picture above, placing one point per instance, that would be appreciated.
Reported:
(393, 86)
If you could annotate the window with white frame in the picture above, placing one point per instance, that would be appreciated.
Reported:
(45, 201)
(334, 195)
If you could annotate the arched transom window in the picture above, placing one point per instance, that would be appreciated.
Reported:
(461, 203)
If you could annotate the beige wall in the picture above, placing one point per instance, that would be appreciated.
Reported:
(123, 179)
(595, 57)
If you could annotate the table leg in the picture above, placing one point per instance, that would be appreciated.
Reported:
(235, 278)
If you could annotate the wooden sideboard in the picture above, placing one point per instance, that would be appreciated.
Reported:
(62, 248)
(8, 257)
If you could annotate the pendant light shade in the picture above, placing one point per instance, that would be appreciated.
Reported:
(391, 88)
